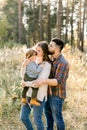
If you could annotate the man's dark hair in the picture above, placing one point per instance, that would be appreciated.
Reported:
(58, 42)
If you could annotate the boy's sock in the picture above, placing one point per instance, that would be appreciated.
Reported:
(23, 100)
(30, 106)
(34, 102)
(28, 99)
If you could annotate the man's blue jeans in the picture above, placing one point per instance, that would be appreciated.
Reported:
(37, 111)
(53, 112)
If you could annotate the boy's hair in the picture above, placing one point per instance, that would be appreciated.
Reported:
(30, 53)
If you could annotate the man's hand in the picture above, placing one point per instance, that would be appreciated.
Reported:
(38, 82)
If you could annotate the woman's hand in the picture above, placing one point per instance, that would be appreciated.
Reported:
(27, 84)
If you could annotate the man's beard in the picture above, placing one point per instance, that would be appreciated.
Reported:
(50, 53)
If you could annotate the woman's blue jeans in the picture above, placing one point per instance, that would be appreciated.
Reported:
(25, 116)
(53, 112)
(37, 111)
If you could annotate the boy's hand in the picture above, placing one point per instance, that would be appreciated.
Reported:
(26, 62)
(38, 60)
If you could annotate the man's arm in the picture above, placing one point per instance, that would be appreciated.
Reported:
(42, 78)
(60, 75)
(50, 82)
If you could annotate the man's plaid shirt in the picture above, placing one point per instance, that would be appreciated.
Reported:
(59, 71)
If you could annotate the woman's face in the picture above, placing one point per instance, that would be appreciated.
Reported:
(39, 51)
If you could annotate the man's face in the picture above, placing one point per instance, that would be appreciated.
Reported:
(52, 47)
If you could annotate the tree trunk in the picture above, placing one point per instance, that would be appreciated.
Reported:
(82, 45)
(48, 22)
(79, 27)
(19, 22)
(40, 20)
(67, 15)
(59, 16)
(72, 34)
(34, 37)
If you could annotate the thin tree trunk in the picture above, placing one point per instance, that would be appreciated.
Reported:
(72, 34)
(34, 37)
(40, 20)
(59, 16)
(48, 22)
(67, 15)
(19, 22)
(82, 45)
(79, 26)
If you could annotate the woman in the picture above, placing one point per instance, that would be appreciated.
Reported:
(42, 54)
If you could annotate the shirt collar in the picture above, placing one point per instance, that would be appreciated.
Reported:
(54, 59)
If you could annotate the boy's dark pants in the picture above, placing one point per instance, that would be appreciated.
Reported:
(25, 89)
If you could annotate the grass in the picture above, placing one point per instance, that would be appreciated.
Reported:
(75, 106)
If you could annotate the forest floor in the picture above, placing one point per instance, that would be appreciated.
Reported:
(75, 106)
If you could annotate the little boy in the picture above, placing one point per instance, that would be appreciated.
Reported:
(29, 72)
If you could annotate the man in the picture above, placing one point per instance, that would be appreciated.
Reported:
(57, 85)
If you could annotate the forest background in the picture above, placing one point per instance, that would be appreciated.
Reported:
(22, 24)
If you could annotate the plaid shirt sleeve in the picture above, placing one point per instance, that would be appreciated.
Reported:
(61, 74)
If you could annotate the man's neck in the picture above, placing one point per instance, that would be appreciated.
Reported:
(56, 55)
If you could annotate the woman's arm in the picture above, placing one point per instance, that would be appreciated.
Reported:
(22, 71)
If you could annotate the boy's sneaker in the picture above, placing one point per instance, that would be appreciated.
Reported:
(34, 102)
(23, 100)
